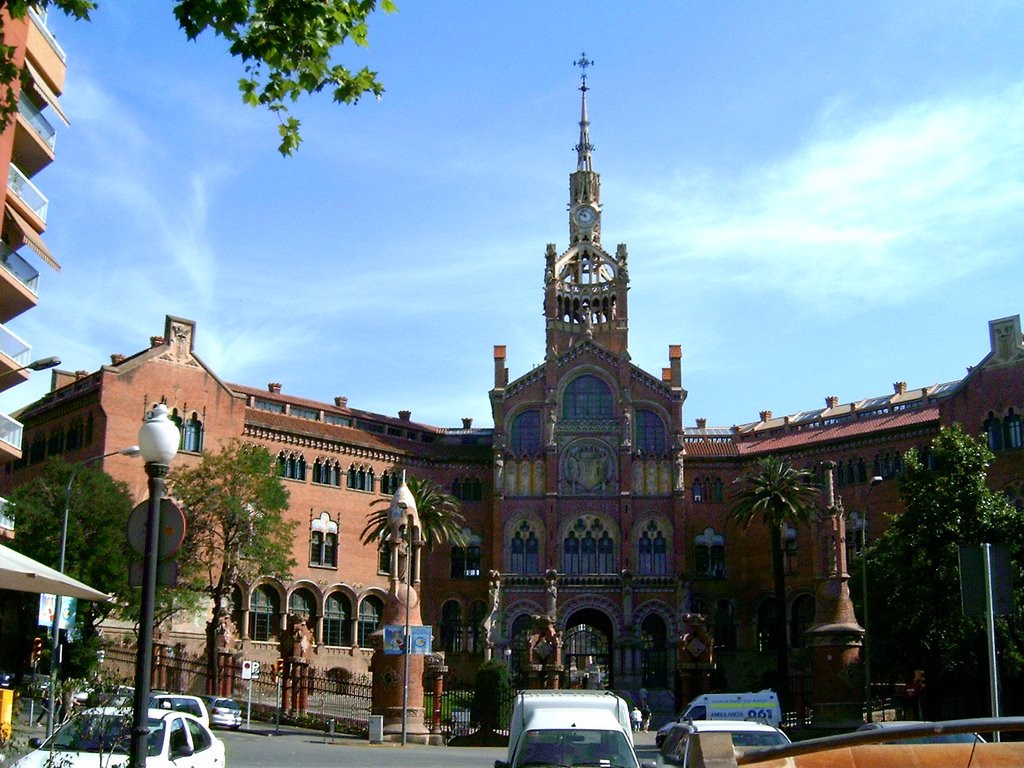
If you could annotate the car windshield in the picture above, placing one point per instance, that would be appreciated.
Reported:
(757, 739)
(108, 734)
(575, 747)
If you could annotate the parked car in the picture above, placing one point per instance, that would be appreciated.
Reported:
(224, 712)
(745, 735)
(181, 702)
(931, 738)
(101, 738)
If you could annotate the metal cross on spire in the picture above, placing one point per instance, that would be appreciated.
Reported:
(584, 148)
(583, 62)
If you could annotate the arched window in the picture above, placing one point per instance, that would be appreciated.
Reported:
(588, 548)
(717, 490)
(370, 611)
(994, 432)
(352, 477)
(524, 547)
(337, 620)
(652, 551)
(302, 604)
(725, 626)
(520, 634)
(476, 641)
(323, 542)
(263, 611)
(465, 560)
(587, 397)
(389, 482)
(451, 626)
(525, 433)
(650, 432)
(698, 490)
(767, 627)
(709, 555)
(1014, 433)
(192, 434)
(802, 617)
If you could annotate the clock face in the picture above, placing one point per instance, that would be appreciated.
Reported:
(585, 216)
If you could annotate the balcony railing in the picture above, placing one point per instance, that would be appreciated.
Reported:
(14, 347)
(40, 20)
(22, 186)
(10, 431)
(25, 273)
(36, 119)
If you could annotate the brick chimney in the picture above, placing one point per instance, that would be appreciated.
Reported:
(404, 415)
(274, 387)
(900, 387)
(702, 423)
(341, 402)
(831, 401)
(116, 358)
(156, 341)
(766, 415)
(467, 423)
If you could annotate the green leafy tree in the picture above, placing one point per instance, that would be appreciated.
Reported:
(439, 514)
(777, 494)
(915, 565)
(285, 46)
(96, 552)
(491, 697)
(234, 504)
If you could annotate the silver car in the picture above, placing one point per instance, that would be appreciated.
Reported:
(224, 712)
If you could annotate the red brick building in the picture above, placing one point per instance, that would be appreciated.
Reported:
(589, 494)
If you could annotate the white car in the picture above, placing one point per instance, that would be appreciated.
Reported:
(745, 734)
(101, 738)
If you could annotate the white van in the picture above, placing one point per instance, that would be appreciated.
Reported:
(567, 728)
(762, 706)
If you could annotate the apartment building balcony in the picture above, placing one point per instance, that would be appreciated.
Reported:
(19, 284)
(10, 438)
(34, 136)
(44, 53)
(26, 199)
(15, 354)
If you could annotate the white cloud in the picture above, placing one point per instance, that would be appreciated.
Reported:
(873, 207)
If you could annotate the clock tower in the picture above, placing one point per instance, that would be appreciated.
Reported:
(585, 287)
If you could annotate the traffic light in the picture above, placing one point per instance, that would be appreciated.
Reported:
(278, 667)
(37, 650)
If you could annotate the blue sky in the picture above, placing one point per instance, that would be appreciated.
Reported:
(818, 199)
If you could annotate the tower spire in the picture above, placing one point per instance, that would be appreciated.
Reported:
(584, 148)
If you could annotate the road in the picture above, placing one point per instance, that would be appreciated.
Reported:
(311, 750)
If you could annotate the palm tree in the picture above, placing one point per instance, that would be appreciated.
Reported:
(440, 518)
(779, 495)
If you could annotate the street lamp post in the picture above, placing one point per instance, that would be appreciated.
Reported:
(864, 588)
(58, 602)
(158, 442)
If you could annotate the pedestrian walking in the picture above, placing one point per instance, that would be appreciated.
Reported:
(635, 717)
(645, 716)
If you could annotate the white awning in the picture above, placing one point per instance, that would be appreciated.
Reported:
(21, 573)
(44, 90)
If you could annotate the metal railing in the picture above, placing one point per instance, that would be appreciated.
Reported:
(22, 271)
(29, 193)
(37, 120)
(10, 431)
(14, 347)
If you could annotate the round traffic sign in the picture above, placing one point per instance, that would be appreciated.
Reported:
(172, 528)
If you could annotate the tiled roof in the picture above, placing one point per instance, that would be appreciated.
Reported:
(843, 431)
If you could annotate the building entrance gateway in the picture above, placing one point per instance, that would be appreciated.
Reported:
(588, 649)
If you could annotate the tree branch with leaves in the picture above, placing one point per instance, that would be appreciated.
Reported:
(286, 48)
